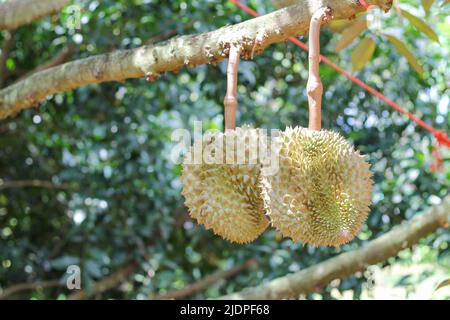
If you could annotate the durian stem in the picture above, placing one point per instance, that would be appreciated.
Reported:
(314, 87)
(230, 102)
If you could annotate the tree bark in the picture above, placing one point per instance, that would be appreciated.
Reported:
(15, 13)
(212, 47)
(376, 251)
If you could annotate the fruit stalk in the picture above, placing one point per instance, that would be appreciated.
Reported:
(230, 102)
(314, 87)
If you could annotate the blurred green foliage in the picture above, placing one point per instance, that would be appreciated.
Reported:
(106, 148)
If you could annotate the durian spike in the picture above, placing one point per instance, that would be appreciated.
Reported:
(230, 102)
(314, 87)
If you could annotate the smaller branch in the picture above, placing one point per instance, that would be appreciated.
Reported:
(314, 87)
(27, 286)
(62, 56)
(230, 102)
(205, 282)
(16, 13)
(7, 46)
(106, 283)
(33, 184)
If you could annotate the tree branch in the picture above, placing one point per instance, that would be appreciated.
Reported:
(33, 184)
(106, 283)
(29, 286)
(205, 282)
(376, 251)
(15, 13)
(172, 55)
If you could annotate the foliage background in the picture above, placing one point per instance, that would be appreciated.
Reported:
(109, 146)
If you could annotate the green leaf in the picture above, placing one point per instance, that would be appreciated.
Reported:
(421, 25)
(403, 49)
(350, 34)
(426, 4)
(443, 284)
(363, 53)
(338, 25)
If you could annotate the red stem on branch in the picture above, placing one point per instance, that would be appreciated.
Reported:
(314, 87)
(230, 102)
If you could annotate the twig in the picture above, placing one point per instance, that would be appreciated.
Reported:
(29, 286)
(33, 184)
(230, 102)
(205, 282)
(106, 283)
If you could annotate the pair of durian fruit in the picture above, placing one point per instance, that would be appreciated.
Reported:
(319, 194)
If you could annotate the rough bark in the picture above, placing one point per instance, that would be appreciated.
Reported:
(15, 13)
(253, 35)
(376, 251)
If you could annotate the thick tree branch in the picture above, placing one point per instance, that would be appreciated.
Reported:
(205, 282)
(376, 251)
(253, 35)
(15, 13)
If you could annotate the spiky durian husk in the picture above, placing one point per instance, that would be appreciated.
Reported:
(322, 191)
(225, 197)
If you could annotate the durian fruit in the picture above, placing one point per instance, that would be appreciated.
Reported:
(322, 191)
(224, 195)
